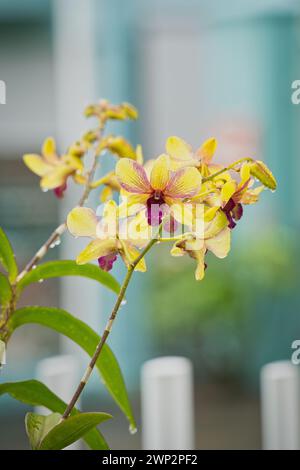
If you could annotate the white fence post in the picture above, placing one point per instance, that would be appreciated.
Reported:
(61, 374)
(167, 404)
(280, 402)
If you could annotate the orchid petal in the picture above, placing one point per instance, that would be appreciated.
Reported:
(49, 150)
(207, 150)
(96, 249)
(220, 244)
(132, 176)
(37, 164)
(160, 173)
(178, 149)
(82, 222)
(56, 177)
(130, 254)
(228, 190)
(184, 183)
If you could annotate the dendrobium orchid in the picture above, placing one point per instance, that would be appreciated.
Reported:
(181, 153)
(182, 193)
(107, 241)
(163, 191)
(53, 170)
(232, 195)
(216, 238)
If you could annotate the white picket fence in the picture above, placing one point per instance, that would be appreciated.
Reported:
(168, 402)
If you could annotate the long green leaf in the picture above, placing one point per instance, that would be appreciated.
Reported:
(5, 290)
(35, 393)
(7, 257)
(69, 268)
(79, 332)
(70, 430)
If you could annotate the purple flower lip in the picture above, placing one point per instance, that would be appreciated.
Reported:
(155, 209)
(59, 191)
(233, 211)
(106, 262)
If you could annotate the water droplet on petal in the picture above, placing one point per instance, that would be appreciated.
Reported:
(132, 429)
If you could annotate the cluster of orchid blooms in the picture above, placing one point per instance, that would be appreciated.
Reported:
(181, 197)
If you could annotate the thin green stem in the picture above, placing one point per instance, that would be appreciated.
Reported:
(229, 167)
(107, 329)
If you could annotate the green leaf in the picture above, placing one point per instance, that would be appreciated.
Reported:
(37, 427)
(78, 331)
(7, 257)
(70, 430)
(69, 268)
(5, 290)
(34, 393)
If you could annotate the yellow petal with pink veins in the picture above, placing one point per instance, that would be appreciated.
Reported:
(184, 183)
(207, 150)
(96, 249)
(132, 176)
(160, 173)
(82, 222)
(37, 164)
(220, 244)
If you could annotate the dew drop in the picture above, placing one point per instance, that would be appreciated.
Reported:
(34, 266)
(41, 280)
(124, 302)
(132, 429)
(58, 241)
(45, 190)
(53, 245)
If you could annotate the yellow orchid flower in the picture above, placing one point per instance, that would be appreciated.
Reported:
(107, 241)
(181, 153)
(105, 110)
(162, 190)
(53, 170)
(216, 239)
(232, 195)
(118, 146)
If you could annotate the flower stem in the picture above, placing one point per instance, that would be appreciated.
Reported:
(58, 232)
(229, 167)
(107, 329)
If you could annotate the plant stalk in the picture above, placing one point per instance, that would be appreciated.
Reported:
(229, 167)
(107, 329)
(58, 232)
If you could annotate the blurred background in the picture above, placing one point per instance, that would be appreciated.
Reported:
(195, 69)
